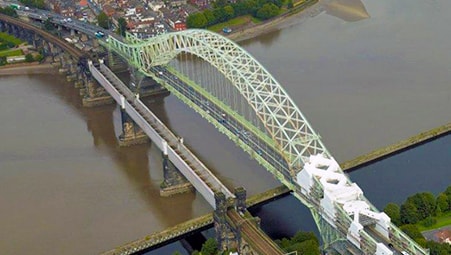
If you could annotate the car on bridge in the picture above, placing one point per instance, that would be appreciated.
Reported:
(99, 34)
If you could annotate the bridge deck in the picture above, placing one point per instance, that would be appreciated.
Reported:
(256, 238)
(182, 158)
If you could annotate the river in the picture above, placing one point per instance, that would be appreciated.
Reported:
(68, 188)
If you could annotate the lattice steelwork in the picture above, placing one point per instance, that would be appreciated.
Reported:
(283, 120)
(292, 135)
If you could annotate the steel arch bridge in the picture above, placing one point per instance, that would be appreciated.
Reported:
(339, 207)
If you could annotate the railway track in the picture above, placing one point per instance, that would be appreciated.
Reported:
(46, 35)
(252, 234)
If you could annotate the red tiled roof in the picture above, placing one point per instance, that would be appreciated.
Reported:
(83, 3)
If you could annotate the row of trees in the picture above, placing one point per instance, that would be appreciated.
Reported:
(305, 243)
(223, 11)
(421, 207)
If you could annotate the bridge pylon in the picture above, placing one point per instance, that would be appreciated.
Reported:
(174, 182)
(131, 134)
(142, 84)
(225, 236)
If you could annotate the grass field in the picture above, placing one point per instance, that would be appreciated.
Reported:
(9, 53)
(235, 22)
(4, 37)
(442, 221)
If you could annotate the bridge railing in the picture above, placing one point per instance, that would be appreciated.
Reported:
(142, 115)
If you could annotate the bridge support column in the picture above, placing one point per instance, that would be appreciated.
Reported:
(174, 182)
(79, 82)
(132, 134)
(225, 237)
(71, 75)
(240, 200)
(95, 95)
(143, 85)
(116, 63)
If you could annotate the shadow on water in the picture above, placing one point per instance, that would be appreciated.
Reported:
(133, 161)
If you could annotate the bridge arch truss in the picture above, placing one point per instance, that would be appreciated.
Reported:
(295, 139)
(316, 178)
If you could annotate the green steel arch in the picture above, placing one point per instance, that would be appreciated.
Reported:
(294, 137)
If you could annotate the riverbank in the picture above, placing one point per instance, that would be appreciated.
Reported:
(396, 147)
(27, 68)
(290, 17)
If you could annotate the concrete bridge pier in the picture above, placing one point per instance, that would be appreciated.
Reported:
(64, 61)
(85, 77)
(79, 82)
(132, 134)
(174, 182)
(36, 42)
(73, 70)
(95, 95)
(115, 62)
(144, 85)
(56, 55)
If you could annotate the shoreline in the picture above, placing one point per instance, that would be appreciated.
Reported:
(27, 68)
(398, 147)
(284, 20)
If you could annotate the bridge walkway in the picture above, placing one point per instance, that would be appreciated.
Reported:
(253, 235)
(182, 158)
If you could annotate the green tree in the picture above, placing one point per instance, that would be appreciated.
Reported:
(409, 213)
(425, 204)
(210, 247)
(220, 3)
(196, 20)
(29, 58)
(229, 12)
(122, 26)
(3, 61)
(103, 20)
(448, 194)
(308, 247)
(39, 57)
(438, 248)
(442, 202)
(176, 253)
(240, 8)
(211, 19)
(48, 25)
(278, 3)
(300, 237)
(290, 4)
(268, 11)
(413, 231)
(393, 211)
(220, 14)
